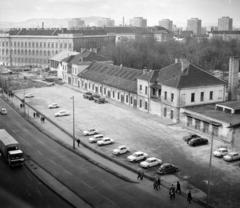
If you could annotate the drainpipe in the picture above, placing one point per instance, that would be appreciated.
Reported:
(129, 99)
(149, 92)
(178, 121)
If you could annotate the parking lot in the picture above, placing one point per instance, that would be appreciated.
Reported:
(142, 134)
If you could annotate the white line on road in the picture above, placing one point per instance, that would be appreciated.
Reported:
(29, 176)
(68, 172)
(128, 195)
(28, 192)
(109, 199)
(53, 162)
(38, 191)
(40, 141)
(28, 143)
(40, 153)
(86, 184)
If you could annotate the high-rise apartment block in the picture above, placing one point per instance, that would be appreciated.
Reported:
(76, 23)
(138, 22)
(166, 23)
(225, 24)
(195, 25)
(106, 22)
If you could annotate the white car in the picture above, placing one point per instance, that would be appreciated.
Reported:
(90, 132)
(62, 113)
(29, 95)
(136, 156)
(3, 111)
(96, 138)
(105, 141)
(120, 150)
(220, 152)
(150, 162)
(53, 105)
(231, 156)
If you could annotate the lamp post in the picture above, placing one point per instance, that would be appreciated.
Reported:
(24, 100)
(73, 124)
(209, 171)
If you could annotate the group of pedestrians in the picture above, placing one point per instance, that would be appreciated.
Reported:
(157, 183)
(37, 115)
(172, 192)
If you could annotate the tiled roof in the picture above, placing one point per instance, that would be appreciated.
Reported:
(149, 76)
(62, 55)
(191, 76)
(128, 30)
(55, 32)
(119, 77)
(68, 59)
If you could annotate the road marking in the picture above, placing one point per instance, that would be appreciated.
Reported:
(128, 195)
(28, 192)
(67, 159)
(86, 184)
(68, 172)
(109, 199)
(29, 176)
(16, 192)
(38, 191)
(53, 162)
(28, 143)
(40, 153)
(40, 141)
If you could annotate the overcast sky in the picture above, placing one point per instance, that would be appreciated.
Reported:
(153, 10)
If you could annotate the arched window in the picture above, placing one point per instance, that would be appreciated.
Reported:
(36, 44)
(25, 44)
(40, 52)
(18, 52)
(2, 51)
(37, 52)
(25, 51)
(21, 52)
(44, 53)
(33, 52)
(6, 51)
(29, 52)
(33, 44)
(48, 53)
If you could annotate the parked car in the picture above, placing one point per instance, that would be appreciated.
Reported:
(120, 150)
(150, 162)
(3, 111)
(62, 113)
(95, 138)
(90, 132)
(88, 95)
(105, 141)
(29, 95)
(136, 156)
(220, 152)
(53, 105)
(232, 156)
(98, 99)
(167, 168)
(189, 137)
(197, 141)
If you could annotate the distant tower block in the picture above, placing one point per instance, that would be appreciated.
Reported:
(233, 78)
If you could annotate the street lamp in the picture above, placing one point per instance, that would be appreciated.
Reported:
(209, 172)
(24, 99)
(73, 124)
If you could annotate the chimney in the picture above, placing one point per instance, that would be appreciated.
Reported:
(121, 66)
(233, 78)
(145, 70)
(184, 64)
(42, 25)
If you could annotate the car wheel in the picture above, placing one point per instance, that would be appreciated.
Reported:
(118, 153)
(148, 166)
(134, 161)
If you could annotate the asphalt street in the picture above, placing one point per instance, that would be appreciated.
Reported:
(138, 133)
(98, 187)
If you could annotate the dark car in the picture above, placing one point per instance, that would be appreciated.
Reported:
(189, 137)
(98, 99)
(167, 168)
(88, 95)
(198, 141)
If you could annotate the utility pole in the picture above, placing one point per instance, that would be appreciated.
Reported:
(73, 124)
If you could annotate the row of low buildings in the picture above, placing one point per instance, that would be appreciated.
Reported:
(181, 92)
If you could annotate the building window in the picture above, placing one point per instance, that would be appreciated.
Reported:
(140, 104)
(140, 87)
(153, 91)
(192, 97)
(105, 90)
(126, 98)
(118, 95)
(89, 86)
(171, 114)
(113, 94)
(146, 90)
(215, 130)
(165, 112)
(197, 124)
(205, 127)
(146, 105)
(189, 121)
(220, 94)
(202, 96)
(165, 95)
(172, 97)
(211, 95)
(131, 100)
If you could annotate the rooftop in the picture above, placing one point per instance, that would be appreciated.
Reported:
(209, 111)
(232, 104)
(62, 55)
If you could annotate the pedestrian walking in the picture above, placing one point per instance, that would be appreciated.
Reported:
(155, 184)
(21, 105)
(78, 142)
(172, 192)
(189, 197)
(158, 183)
(178, 188)
(139, 174)
(43, 119)
(34, 114)
(142, 175)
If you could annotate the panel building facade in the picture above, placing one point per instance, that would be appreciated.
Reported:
(225, 24)
(195, 25)
(166, 23)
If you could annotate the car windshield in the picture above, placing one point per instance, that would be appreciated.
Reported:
(16, 156)
(149, 160)
(136, 154)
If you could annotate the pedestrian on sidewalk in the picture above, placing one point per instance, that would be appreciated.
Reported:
(78, 142)
(139, 174)
(158, 183)
(155, 184)
(189, 198)
(178, 188)
(142, 175)
(21, 105)
(172, 192)
(34, 114)
(43, 118)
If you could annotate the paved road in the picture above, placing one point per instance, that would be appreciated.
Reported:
(141, 134)
(98, 187)
(24, 190)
